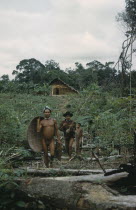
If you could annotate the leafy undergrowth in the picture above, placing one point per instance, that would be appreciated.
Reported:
(10, 196)
(105, 120)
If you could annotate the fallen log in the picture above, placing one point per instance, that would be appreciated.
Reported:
(58, 172)
(82, 192)
(95, 175)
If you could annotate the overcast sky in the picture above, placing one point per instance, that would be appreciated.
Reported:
(66, 31)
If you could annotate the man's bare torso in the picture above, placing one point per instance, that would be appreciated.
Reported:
(48, 128)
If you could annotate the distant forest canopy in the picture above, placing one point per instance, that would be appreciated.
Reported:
(33, 76)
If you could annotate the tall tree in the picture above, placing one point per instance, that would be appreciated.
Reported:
(51, 65)
(131, 13)
(5, 77)
(30, 70)
(128, 16)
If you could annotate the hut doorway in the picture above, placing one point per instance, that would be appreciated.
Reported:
(57, 91)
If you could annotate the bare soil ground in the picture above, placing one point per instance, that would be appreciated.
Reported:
(84, 161)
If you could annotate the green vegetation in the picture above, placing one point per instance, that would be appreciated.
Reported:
(104, 107)
(100, 112)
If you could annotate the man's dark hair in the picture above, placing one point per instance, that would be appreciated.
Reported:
(46, 108)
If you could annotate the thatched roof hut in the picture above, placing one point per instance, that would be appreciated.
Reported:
(60, 88)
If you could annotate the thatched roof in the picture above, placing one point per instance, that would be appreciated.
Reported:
(59, 81)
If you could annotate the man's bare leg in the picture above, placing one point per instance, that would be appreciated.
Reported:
(77, 146)
(70, 147)
(80, 145)
(67, 146)
(45, 149)
(52, 151)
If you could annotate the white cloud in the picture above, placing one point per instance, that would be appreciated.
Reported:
(66, 31)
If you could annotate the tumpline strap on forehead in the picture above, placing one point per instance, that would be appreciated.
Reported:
(47, 108)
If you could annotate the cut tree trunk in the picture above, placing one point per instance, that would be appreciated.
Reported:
(78, 192)
(60, 172)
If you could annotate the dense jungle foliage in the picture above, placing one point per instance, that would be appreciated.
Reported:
(31, 76)
(106, 111)
(104, 107)
(100, 112)
(107, 118)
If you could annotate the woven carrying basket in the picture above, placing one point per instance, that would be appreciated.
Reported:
(34, 138)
